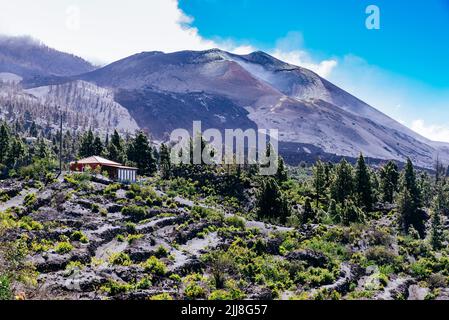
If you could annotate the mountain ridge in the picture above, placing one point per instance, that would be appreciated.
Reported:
(166, 91)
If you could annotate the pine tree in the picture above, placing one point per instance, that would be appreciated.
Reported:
(42, 151)
(116, 150)
(141, 153)
(409, 201)
(351, 213)
(271, 203)
(98, 146)
(87, 145)
(17, 154)
(389, 179)
(362, 184)
(165, 163)
(33, 130)
(308, 215)
(281, 174)
(342, 183)
(319, 180)
(409, 182)
(4, 142)
(437, 230)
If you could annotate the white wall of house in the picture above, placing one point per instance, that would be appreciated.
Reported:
(126, 175)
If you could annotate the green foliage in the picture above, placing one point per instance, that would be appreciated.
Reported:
(320, 180)
(308, 215)
(29, 224)
(362, 185)
(389, 181)
(64, 247)
(5, 288)
(155, 266)
(135, 212)
(161, 252)
(236, 222)
(220, 295)
(79, 236)
(342, 185)
(194, 287)
(271, 203)
(162, 296)
(120, 259)
(114, 288)
(409, 201)
(437, 228)
(30, 200)
(142, 154)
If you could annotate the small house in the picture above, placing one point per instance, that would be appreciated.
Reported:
(115, 170)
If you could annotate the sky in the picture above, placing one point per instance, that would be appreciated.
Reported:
(401, 67)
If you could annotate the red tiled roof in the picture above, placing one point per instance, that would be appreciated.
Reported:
(101, 161)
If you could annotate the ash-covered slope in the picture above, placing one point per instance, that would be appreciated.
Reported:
(306, 108)
(163, 92)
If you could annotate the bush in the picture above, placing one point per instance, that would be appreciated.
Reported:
(220, 295)
(163, 296)
(79, 236)
(120, 259)
(30, 200)
(95, 207)
(235, 221)
(5, 288)
(155, 266)
(136, 213)
(114, 288)
(437, 281)
(381, 255)
(161, 252)
(29, 224)
(63, 247)
(194, 287)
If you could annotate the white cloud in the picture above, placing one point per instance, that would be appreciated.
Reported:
(291, 49)
(431, 131)
(104, 30)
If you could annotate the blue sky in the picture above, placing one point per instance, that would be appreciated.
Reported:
(413, 39)
(401, 69)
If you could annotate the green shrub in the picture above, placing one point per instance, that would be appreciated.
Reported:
(63, 247)
(154, 266)
(30, 200)
(161, 252)
(220, 295)
(380, 255)
(3, 197)
(95, 208)
(130, 227)
(79, 236)
(194, 287)
(136, 213)
(5, 288)
(144, 283)
(236, 222)
(162, 296)
(114, 288)
(29, 224)
(120, 259)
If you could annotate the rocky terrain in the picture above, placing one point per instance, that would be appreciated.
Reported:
(89, 238)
